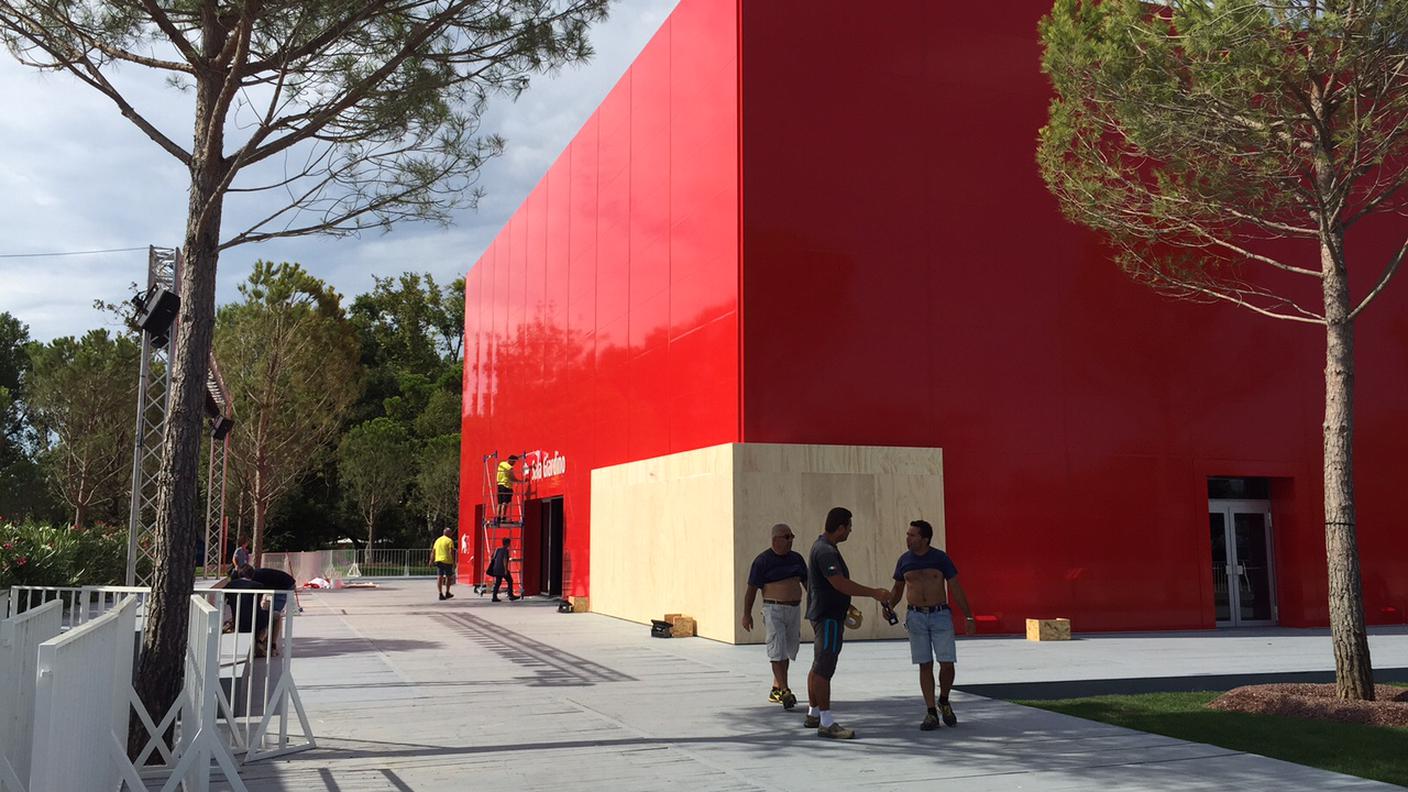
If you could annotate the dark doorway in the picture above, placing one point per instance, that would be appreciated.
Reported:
(1243, 573)
(552, 530)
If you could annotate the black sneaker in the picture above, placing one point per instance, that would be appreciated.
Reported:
(811, 722)
(442, 597)
(448, 595)
(512, 598)
(495, 599)
(947, 712)
(789, 699)
(931, 722)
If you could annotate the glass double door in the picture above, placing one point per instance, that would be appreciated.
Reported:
(1243, 572)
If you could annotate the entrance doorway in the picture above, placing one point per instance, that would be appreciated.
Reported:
(551, 524)
(1243, 569)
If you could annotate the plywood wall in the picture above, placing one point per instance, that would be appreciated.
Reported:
(677, 534)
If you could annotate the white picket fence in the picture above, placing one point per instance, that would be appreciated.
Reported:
(20, 640)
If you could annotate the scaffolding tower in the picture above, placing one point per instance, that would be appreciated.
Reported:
(153, 406)
(495, 528)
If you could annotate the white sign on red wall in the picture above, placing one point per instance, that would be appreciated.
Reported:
(543, 465)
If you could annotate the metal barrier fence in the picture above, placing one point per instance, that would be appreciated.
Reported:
(254, 651)
(334, 565)
(20, 639)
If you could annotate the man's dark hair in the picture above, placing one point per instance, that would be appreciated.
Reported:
(925, 529)
(837, 518)
(506, 541)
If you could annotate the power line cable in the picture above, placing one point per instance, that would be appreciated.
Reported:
(70, 253)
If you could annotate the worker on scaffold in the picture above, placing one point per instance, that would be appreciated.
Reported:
(507, 474)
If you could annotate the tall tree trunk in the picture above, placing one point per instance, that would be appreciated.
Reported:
(1354, 675)
(80, 515)
(261, 511)
(161, 667)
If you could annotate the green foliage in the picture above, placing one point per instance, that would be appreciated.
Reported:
(289, 358)
(1193, 133)
(80, 396)
(1366, 751)
(41, 555)
(375, 463)
(23, 490)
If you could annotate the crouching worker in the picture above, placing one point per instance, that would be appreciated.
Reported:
(780, 573)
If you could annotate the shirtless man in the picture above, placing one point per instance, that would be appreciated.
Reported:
(780, 573)
(926, 570)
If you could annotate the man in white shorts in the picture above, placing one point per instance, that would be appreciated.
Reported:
(780, 573)
(932, 579)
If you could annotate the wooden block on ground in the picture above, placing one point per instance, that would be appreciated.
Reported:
(684, 627)
(670, 617)
(1048, 629)
(580, 604)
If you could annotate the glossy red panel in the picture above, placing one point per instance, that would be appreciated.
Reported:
(911, 285)
(924, 290)
(593, 381)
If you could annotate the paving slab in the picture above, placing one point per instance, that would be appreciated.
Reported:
(409, 693)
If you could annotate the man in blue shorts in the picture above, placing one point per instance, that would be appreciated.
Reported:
(928, 571)
(780, 573)
(829, 592)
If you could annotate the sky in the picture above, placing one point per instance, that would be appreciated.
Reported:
(76, 176)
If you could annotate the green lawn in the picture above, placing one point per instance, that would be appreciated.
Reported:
(1372, 752)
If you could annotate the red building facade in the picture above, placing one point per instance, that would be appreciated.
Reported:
(804, 222)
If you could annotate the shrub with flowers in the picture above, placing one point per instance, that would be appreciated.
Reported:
(45, 555)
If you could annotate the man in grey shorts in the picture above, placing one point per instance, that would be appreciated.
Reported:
(927, 571)
(780, 573)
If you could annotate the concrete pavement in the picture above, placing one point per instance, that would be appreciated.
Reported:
(409, 693)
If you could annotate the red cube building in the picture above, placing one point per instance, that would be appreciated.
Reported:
(803, 222)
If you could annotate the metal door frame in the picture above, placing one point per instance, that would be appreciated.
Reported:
(1230, 508)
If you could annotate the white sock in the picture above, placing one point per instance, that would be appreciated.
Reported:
(826, 719)
(812, 712)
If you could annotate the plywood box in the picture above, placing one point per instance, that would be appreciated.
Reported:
(580, 604)
(684, 627)
(1048, 629)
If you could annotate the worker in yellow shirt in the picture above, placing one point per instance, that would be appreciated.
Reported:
(506, 477)
(444, 553)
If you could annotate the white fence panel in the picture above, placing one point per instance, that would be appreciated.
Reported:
(80, 603)
(4, 604)
(80, 707)
(20, 639)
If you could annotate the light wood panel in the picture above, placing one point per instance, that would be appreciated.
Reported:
(678, 533)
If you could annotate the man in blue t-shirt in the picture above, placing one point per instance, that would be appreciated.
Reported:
(928, 571)
(829, 592)
(780, 572)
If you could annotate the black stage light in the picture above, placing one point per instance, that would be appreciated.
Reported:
(221, 426)
(156, 311)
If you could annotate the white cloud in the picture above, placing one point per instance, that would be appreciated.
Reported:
(74, 175)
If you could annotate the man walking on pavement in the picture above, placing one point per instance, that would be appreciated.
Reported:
(927, 571)
(829, 592)
(780, 572)
(444, 564)
(498, 569)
